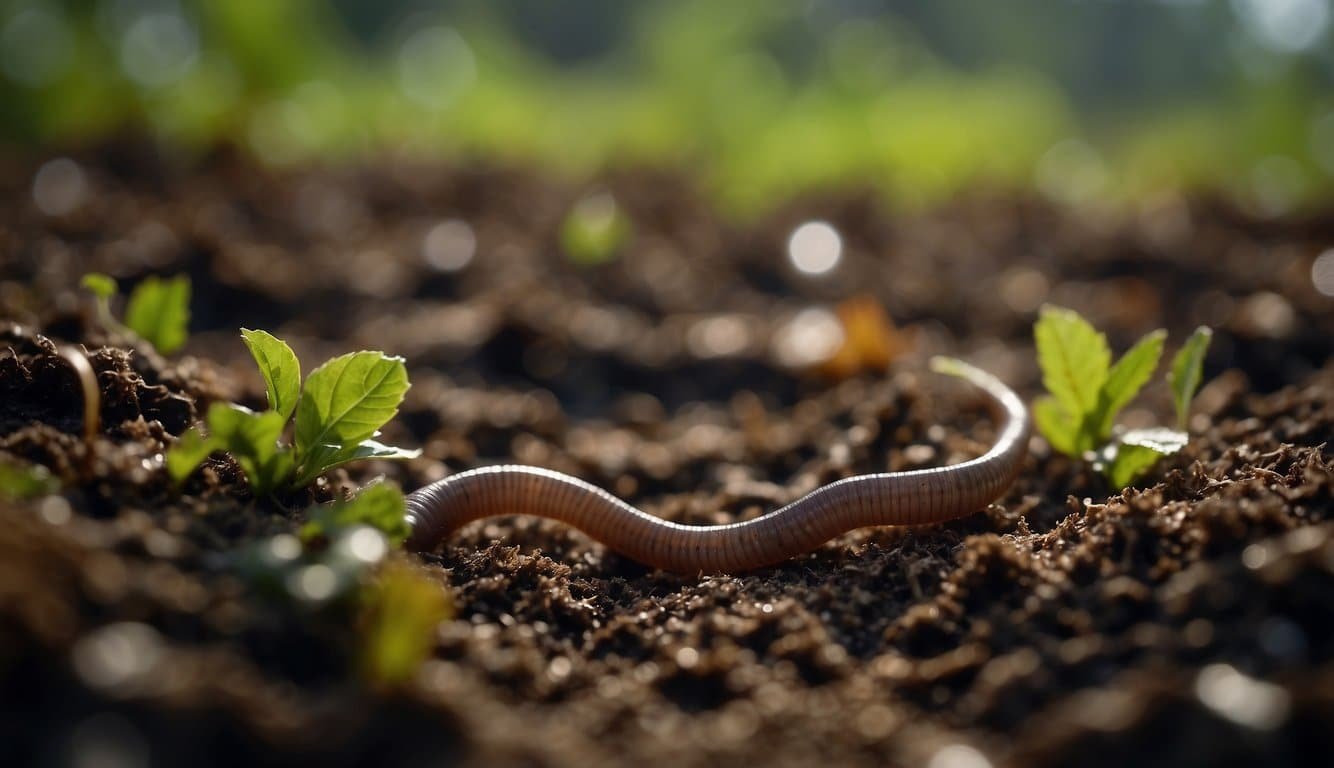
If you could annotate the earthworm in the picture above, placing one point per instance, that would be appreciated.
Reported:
(892, 498)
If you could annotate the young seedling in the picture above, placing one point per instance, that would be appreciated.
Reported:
(338, 413)
(92, 394)
(1087, 392)
(594, 230)
(379, 506)
(339, 569)
(158, 310)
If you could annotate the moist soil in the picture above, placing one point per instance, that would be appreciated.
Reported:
(1187, 620)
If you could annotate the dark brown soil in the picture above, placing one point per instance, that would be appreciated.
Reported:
(1187, 621)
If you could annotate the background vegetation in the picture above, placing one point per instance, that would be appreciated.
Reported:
(1083, 99)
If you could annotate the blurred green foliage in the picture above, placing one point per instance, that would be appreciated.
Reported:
(1083, 99)
(379, 505)
(400, 613)
(594, 230)
(25, 481)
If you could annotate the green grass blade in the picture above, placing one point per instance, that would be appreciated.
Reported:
(1187, 372)
(1125, 380)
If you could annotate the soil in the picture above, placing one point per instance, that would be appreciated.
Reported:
(1188, 620)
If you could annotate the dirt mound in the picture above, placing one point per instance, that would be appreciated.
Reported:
(1186, 620)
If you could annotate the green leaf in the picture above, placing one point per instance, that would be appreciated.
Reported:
(1137, 451)
(281, 370)
(1074, 359)
(100, 285)
(1125, 380)
(323, 458)
(1057, 425)
(159, 312)
(26, 481)
(380, 506)
(188, 453)
(1187, 372)
(252, 439)
(1128, 463)
(244, 430)
(401, 611)
(347, 400)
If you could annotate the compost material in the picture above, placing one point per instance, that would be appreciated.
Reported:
(1187, 620)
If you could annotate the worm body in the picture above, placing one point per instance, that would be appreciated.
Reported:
(892, 498)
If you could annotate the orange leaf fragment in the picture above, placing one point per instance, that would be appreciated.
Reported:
(870, 339)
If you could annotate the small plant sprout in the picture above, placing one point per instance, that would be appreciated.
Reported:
(379, 506)
(338, 413)
(103, 289)
(92, 394)
(341, 567)
(1087, 391)
(594, 230)
(1188, 372)
(158, 310)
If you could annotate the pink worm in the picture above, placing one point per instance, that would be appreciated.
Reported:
(891, 498)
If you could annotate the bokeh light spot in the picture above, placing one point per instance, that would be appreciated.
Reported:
(815, 248)
(117, 655)
(1243, 700)
(958, 756)
(315, 583)
(365, 544)
(59, 187)
(1071, 172)
(718, 336)
(1322, 273)
(449, 245)
(435, 66)
(813, 336)
(159, 49)
(1287, 26)
(35, 47)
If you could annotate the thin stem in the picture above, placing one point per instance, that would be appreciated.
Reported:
(92, 394)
